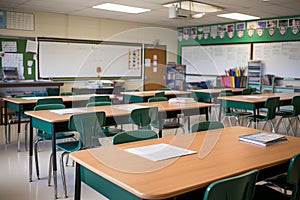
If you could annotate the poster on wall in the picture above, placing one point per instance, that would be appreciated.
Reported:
(186, 33)
(206, 31)
(282, 24)
(240, 27)
(251, 26)
(261, 25)
(294, 24)
(194, 32)
(180, 34)
(213, 31)
(221, 31)
(271, 26)
(230, 30)
(200, 33)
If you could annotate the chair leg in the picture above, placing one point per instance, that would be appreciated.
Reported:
(50, 170)
(63, 176)
(291, 125)
(285, 128)
(19, 142)
(278, 124)
(35, 148)
(26, 133)
(8, 132)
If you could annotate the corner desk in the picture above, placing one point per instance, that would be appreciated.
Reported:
(50, 122)
(254, 102)
(116, 173)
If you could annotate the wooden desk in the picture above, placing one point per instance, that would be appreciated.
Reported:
(210, 94)
(24, 104)
(254, 102)
(138, 97)
(114, 173)
(51, 122)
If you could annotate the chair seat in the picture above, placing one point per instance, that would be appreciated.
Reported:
(263, 192)
(59, 135)
(285, 114)
(170, 125)
(258, 117)
(70, 146)
(238, 113)
(111, 131)
(22, 120)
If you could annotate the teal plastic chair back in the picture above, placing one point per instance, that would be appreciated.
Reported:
(247, 91)
(154, 99)
(206, 125)
(134, 135)
(240, 187)
(50, 101)
(52, 91)
(101, 103)
(88, 126)
(293, 176)
(271, 104)
(164, 89)
(67, 93)
(159, 94)
(49, 106)
(99, 98)
(24, 95)
(296, 105)
(143, 117)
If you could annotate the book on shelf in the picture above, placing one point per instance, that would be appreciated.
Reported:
(263, 139)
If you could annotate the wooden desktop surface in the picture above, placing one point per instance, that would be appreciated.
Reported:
(115, 110)
(32, 100)
(152, 93)
(180, 175)
(258, 98)
(211, 91)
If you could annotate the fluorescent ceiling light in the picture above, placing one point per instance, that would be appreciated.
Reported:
(238, 16)
(121, 8)
(194, 6)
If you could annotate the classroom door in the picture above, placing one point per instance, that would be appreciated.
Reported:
(155, 67)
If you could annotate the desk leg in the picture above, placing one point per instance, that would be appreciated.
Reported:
(160, 125)
(30, 149)
(77, 182)
(54, 164)
(206, 114)
(220, 111)
(19, 127)
(5, 121)
(254, 116)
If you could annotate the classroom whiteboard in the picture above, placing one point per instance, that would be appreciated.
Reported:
(63, 59)
(279, 58)
(214, 59)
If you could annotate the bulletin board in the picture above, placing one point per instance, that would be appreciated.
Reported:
(71, 59)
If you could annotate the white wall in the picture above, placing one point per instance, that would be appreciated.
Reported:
(77, 27)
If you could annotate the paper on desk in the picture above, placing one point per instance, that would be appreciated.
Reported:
(68, 111)
(130, 107)
(157, 152)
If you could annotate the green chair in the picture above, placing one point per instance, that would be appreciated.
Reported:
(53, 91)
(170, 123)
(271, 105)
(67, 94)
(206, 125)
(144, 117)
(247, 91)
(99, 98)
(164, 89)
(49, 101)
(289, 180)
(134, 135)
(240, 187)
(87, 125)
(159, 94)
(43, 136)
(15, 119)
(290, 115)
(109, 122)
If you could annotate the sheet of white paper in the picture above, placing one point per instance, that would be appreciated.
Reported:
(157, 152)
(29, 98)
(130, 107)
(68, 111)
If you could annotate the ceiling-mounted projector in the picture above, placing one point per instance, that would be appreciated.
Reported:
(178, 13)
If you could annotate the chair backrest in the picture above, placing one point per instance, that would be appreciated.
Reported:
(154, 99)
(271, 104)
(164, 89)
(50, 101)
(206, 125)
(52, 91)
(240, 187)
(24, 95)
(49, 106)
(159, 94)
(226, 93)
(101, 103)
(88, 125)
(296, 105)
(293, 176)
(143, 117)
(67, 93)
(247, 91)
(99, 98)
(134, 135)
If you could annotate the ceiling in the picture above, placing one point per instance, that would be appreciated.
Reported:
(158, 14)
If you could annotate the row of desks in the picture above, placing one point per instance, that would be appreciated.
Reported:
(120, 114)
